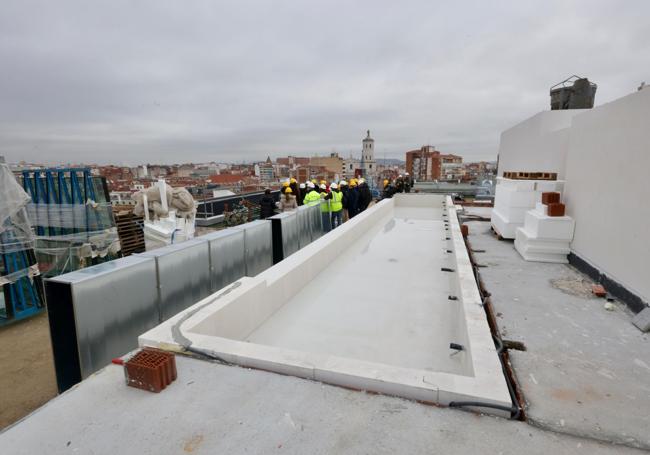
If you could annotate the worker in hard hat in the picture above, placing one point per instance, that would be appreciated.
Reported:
(365, 196)
(399, 184)
(267, 204)
(353, 198)
(312, 197)
(343, 188)
(389, 189)
(408, 183)
(288, 200)
(293, 184)
(336, 205)
(325, 207)
(300, 195)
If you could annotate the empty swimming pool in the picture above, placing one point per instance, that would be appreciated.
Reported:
(366, 306)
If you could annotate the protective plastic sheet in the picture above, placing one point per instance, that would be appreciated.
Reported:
(13, 197)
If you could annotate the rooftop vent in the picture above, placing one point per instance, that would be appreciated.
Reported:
(573, 93)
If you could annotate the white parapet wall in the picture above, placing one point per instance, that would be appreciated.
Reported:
(603, 155)
(366, 306)
(538, 144)
(608, 187)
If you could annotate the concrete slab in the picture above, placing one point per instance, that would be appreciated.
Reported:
(586, 369)
(346, 311)
(340, 311)
(213, 409)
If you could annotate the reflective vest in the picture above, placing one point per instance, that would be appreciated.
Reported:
(337, 201)
(324, 204)
(311, 198)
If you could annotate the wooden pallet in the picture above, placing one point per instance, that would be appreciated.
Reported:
(496, 233)
(130, 232)
(530, 175)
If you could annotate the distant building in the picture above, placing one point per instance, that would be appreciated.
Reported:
(266, 173)
(332, 163)
(368, 165)
(292, 161)
(424, 164)
(451, 167)
(351, 167)
(185, 170)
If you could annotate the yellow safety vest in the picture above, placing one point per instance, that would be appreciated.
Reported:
(311, 198)
(324, 203)
(337, 201)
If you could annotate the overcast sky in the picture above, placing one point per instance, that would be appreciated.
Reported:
(129, 82)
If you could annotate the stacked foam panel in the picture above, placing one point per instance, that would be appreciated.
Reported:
(544, 238)
(513, 198)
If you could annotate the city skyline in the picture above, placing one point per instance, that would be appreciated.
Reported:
(168, 82)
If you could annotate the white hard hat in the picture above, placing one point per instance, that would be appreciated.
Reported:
(362, 180)
(302, 186)
(310, 185)
(399, 175)
(343, 182)
(407, 173)
(322, 186)
(334, 185)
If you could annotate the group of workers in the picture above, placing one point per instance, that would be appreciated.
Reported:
(402, 184)
(338, 201)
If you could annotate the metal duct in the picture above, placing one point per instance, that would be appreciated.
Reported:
(303, 213)
(259, 246)
(97, 313)
(227, 257)
(316, 222)
(183, 275)
(286, 235)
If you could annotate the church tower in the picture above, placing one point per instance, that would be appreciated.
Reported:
(368, 157)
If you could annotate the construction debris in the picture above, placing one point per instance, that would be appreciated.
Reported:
(598, 290)
(169, 214)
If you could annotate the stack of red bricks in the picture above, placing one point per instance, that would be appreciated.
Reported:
(553, 204)
(151, 369)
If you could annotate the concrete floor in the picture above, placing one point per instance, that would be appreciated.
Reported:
(218, 409)
(364, 306)
(586, 370)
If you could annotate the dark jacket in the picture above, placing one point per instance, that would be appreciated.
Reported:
(344, 190)
(353, 201)
(267, 206)
(296, 192)
(365, 196)
(389, 190)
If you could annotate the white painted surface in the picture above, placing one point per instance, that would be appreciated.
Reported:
(536, 249)
(409, 321)
(265, 309)
(543, 226)
(538, 144)
(607, 188)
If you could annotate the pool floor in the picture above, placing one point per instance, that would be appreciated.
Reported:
(384, 300)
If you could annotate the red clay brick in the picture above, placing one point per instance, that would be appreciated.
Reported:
(598, 290)
(150, 369)
(551, 197)
(556, 209)
(464, 229)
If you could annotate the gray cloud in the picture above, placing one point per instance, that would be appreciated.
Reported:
(171, 81)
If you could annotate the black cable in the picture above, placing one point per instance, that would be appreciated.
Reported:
(514, 409)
